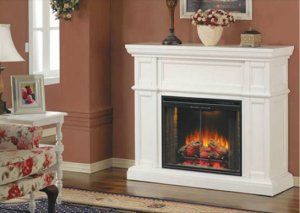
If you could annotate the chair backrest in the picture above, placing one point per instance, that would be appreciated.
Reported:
(14, 136)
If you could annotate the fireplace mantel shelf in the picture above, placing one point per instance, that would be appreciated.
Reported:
(258, 77)
(197, 50)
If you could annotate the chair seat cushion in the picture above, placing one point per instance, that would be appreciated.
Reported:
(26, 185)
(17, 164)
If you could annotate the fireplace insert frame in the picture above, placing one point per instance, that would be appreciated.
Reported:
(206, 104)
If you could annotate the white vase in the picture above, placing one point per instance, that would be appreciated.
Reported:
(209, 35)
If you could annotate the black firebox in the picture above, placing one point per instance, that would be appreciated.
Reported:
(202, 135)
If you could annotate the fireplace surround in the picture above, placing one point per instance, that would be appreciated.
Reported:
(201, 135)
(212, 117)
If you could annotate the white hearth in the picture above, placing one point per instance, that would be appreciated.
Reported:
(256, 76)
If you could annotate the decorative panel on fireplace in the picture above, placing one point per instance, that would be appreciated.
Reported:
(201, 135)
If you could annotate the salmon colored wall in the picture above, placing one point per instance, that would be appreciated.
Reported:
(19, 29)
(100, 80)
(84, 89)
(136, 21)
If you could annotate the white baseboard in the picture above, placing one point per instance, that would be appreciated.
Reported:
(122, 163)
(98, 166)
(87, 168)
(296, 181)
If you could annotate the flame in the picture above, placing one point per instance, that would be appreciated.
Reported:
(205, 136)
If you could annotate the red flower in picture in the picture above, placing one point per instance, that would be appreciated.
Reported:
(29, 100)
(27, 167)
(24, 94)
(29, 90)
(28, 95)
(14, 192)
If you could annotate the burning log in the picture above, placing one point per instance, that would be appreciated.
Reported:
(197, 150)
(206, 148)
(191, 150)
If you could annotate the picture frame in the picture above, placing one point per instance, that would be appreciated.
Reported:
(28, 95)
(241, 9)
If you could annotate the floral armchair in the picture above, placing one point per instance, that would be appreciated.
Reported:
(25, 167)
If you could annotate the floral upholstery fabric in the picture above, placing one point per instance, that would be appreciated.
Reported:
(26, 185)
(17, 137)
(17, 164)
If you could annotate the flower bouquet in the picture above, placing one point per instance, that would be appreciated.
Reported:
(28, 96)
(64, 8)
(210, 25)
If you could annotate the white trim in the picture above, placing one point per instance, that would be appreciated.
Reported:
(268, 187)
(296, 181)
(98, 166)
(122, 163)
(191, 51)
(50, 76)
(238, 16)
(87, 168)
(51, 80)
(101, 165)
(30, 34)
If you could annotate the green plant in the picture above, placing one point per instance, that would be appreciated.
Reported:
(64, 8)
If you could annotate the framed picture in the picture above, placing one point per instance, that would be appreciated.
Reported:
(28, 96)
(241, 9)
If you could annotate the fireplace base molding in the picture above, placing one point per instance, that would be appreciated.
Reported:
(268, 187)
(258, 77)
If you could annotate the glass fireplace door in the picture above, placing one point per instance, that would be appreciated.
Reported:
(201, 135)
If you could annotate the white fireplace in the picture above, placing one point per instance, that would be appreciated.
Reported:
(254, 81)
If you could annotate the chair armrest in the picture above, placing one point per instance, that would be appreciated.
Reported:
(14, 136)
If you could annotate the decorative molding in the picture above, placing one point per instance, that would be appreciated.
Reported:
(209, 181)
(98, 166)
(196, 51)
(296, 181)
(86, 121)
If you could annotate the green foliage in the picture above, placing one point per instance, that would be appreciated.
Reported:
(64, 8)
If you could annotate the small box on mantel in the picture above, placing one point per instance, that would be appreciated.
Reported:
(251, 38)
